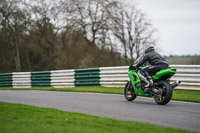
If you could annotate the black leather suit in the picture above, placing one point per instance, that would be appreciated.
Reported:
(156, 61)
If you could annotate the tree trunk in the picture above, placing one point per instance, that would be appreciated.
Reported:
(17, 58)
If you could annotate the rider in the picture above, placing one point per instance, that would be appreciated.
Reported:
(157, 63)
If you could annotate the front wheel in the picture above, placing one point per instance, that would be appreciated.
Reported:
(166, 95)
(129, 92)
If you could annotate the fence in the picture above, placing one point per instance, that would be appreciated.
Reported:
(104, 76)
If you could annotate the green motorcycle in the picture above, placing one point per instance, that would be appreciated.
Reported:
(161, 90)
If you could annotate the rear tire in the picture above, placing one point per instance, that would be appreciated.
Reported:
(167, 93)
(129, 92)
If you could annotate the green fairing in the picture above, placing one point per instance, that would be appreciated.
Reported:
(132, 73)
(138, 91)
(163, 72)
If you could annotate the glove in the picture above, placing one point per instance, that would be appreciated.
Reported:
(134, 67)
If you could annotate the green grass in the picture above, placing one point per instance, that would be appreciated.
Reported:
(179, 60)
(17, 118)
(186, 95)
(93, 89)
(179, 95)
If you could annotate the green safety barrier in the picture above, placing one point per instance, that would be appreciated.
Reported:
(41, 79)
(6, 80)
(87, 77)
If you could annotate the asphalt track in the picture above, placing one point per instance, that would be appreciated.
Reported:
(183, 115)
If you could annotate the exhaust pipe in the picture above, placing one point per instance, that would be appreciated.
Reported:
(175, 84)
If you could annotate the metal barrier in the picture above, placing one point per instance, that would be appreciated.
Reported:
(114, 76)
(117, 76)
(62, 78)
(87, 77)
(21, 80)
(6, 80)
(104, 76)
(189, 75)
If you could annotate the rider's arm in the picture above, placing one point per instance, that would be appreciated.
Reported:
(142, 61)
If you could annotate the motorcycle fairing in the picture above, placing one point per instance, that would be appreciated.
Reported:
(135, 79)
(163, 72)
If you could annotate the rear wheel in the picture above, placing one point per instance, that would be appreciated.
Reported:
(166, 95)
(129, 92)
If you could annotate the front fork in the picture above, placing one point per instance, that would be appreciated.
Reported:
(130, 88)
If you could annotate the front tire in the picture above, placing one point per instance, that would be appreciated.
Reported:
(166, 95)
(129, 93)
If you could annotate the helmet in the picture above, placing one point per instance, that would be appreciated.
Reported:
(149, 49)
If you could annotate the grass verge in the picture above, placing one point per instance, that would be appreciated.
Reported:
(18, 118)
(178, 95)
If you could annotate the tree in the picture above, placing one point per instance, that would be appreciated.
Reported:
(89, 16)
(43, 36)
(195, 60)
(40, 35)
(131, 29)
(13, 25)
